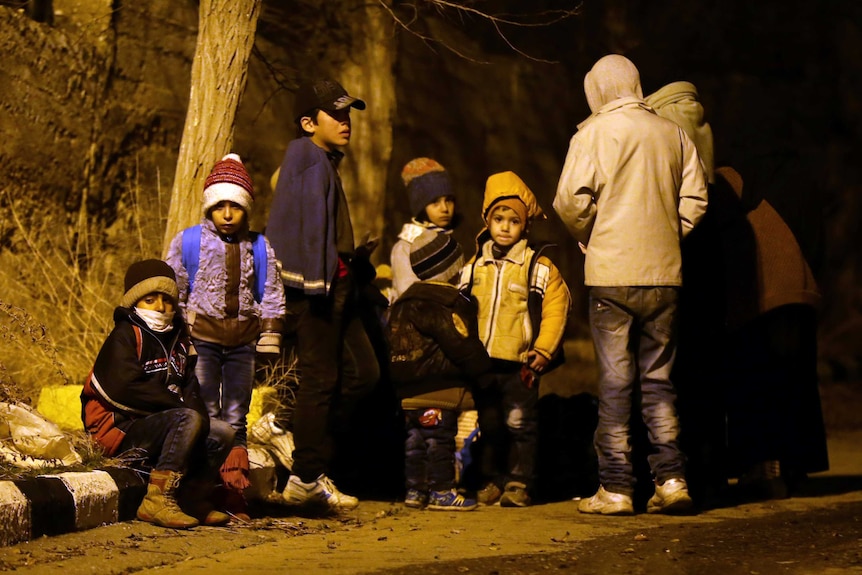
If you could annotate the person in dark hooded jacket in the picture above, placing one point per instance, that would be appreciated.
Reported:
(435, 354)
(142, 398)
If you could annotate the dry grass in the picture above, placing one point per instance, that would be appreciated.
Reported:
(60, 284)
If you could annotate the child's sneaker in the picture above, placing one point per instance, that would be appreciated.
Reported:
(670, 497)
(607, 503)
(450, 501)
(322, 491)
(416, 499)
(489, 495)
(515, 495)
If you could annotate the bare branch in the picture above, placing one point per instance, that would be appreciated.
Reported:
(464, 11)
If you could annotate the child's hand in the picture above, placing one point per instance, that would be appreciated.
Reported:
(536, 361)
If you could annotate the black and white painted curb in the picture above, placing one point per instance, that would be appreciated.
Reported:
(75, 501)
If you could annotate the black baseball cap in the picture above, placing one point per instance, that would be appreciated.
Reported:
(325, 94)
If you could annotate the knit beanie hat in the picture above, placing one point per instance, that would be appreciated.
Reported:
(146, 277)
(230, 181)
(436, 256)
(426, 180)
(515, 204)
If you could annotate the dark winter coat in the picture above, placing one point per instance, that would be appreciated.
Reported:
(138, 372)
(304, 223)
(435, 350)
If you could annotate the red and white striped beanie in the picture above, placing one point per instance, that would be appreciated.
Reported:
(230, 181)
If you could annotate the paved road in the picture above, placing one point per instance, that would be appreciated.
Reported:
(818, 531)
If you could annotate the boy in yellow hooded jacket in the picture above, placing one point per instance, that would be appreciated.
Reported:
(523, 306)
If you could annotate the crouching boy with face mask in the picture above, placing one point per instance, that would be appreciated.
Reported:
(142, 395)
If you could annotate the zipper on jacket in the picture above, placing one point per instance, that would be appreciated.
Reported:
(498, 271)
(167, 353)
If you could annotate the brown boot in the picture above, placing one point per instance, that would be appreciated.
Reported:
(195, 498)
(160, 505)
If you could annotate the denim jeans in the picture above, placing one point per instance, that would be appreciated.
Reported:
(226, 376)
(174, 440)
(430, 448)
(338, 366)
(508, 416)
(634, 333)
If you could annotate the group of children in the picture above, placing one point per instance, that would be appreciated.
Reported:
(462, 334)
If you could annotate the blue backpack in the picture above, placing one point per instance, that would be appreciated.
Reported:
(192, 252)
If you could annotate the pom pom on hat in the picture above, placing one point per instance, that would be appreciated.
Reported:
(436, 256)
(148, 276)
(230, 181)
(426, 180)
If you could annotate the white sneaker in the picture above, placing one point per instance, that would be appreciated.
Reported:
(670, 497)
(607, 503)
(322, 491)
(277, 440)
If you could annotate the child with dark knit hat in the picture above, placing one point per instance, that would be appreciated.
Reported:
(435, 354)
(142, 397)
(523, 306)
(432, 203)
(232, 298)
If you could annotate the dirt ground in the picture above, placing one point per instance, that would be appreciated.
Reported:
(819, 530)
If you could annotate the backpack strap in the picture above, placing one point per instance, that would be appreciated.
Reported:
(535, 302)
(258, 248)
(191, 254)
(139, 341)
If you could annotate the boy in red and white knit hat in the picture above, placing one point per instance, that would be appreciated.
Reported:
(232, 298)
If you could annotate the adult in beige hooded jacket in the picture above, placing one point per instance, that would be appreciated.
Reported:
(631, 188)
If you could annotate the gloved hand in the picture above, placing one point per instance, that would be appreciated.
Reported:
(366, 246)
(269, 342)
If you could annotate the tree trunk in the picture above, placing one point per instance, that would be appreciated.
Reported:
(219, 72)
(367, 73)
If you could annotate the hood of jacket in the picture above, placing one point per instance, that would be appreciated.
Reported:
(509, 185)
(680, 103)
(611, 78)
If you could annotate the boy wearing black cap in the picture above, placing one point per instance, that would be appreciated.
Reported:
(310, 230)
(142, 395)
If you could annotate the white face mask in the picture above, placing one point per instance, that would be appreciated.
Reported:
(156, 321)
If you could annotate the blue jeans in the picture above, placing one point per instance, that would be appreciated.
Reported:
(430, 448)
(508, 414)
(178, 440)
(338, 367)
(634, 333)
(226, 376)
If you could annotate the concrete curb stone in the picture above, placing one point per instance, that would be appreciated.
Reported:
(76, 501)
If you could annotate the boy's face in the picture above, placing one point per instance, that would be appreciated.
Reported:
(156, 301)
(330, 129)
(228, 217)
(506, 226)
(441, 211)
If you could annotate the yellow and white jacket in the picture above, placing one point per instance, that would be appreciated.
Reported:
(505, 293)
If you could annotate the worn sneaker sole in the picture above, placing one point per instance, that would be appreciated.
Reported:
(618, 510)
(432, 507)
(511, 502)
(677, 506)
